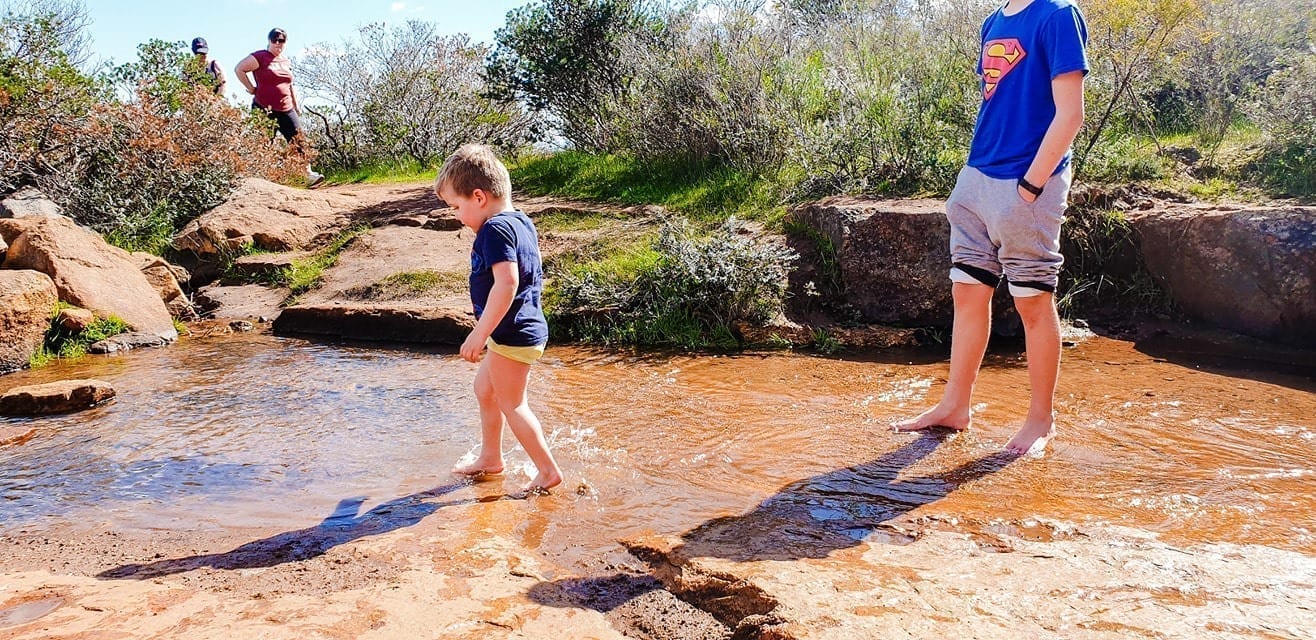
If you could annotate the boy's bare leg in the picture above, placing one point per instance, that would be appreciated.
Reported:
(509, 379)
(490, 460)
(968, 343)
(1042, 339)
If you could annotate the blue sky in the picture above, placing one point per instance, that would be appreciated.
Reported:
(235, 28)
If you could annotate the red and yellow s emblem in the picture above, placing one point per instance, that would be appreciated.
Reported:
(999, 57)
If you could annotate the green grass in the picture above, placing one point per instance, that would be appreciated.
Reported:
(706, 192)
(382, 174)
(410, 283)
(63, 344)
(305, 274)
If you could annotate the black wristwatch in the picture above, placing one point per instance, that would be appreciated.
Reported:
(1028, 186)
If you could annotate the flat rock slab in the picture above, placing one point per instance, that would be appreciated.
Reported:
(939, 581)
(445, 323)
(14, 434)
(64, 396)
(260, 265)
(241, 302)
(127, 342)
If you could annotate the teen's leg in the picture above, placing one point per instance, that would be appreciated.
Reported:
(1042, 338)
(509, 379)
(968, 343)
(490, 459)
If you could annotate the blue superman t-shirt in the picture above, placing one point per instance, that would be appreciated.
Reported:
(1020, 56)
(510, 237)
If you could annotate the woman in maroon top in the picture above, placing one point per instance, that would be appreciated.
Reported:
(272, 92)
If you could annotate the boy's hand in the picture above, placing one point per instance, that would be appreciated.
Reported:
(472, 348)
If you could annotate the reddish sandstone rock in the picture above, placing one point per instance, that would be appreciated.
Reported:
(26, 299)
(75, 320)
(88, 272)
(54, 397)
(1252, 270)
(268, 216)
(167, 280)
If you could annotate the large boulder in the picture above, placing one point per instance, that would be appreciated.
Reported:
(26, 299)
(894, 260)
(54, 397)
(266, 216)
(167, 280)
(88, 272)
(1252, 270)
(28, 202)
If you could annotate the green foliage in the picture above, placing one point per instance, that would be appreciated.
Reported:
(572, 59)
(824, 342)
(60, 343)
(408, 284)
(703, 190)
(685, 291)
(404, 97)
(1103, 267)
(1286, 113)
(305, 274)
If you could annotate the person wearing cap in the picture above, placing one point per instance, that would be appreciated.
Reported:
(206, 64)
(272, 92)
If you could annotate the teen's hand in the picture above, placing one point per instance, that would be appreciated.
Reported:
(1026, 194)
(472, 348)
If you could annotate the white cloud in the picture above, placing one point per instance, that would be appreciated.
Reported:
(397, 6)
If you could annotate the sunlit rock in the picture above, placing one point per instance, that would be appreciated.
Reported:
(55, 397)
(26, 299)
(1252, 270)
(88, 272)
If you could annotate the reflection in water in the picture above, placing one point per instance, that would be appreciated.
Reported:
(267, 434)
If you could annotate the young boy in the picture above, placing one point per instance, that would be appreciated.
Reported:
(1007, 205)
(507, 283)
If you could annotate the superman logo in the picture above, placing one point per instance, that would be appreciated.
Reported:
(999, 57)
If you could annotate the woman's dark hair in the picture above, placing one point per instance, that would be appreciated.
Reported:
(276, 32)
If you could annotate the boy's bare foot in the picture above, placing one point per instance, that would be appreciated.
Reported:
(543, 482)
(1033, 436)
(477, 468)
(956, 419)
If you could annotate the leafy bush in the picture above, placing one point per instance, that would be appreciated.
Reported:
(686, 290)
(404, 97)
(1286, 113)
(62, 343)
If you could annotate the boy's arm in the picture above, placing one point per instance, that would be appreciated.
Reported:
(500, 299)
(1067, 91)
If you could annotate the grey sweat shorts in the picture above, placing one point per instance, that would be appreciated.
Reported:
(993, 232)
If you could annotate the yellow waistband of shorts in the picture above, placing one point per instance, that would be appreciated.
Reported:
(528, 355)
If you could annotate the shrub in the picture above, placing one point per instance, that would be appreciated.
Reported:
(685, 290)
(1286, 113)
(405, 97)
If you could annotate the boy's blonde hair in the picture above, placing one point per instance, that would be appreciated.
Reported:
(474, 166)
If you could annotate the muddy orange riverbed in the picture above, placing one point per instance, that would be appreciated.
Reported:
(772, 456)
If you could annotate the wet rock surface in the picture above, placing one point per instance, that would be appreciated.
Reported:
(126, 342)
(64, 396)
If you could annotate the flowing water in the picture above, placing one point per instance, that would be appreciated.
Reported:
(785, 453)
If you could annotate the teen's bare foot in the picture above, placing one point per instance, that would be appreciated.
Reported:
(543, 482)
(477, 468)
(1033, 436)
(937, 416)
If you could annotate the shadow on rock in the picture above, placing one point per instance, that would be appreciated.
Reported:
(813, 517)
(345, 524)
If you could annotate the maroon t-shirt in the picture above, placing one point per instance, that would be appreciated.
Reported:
(273, 81)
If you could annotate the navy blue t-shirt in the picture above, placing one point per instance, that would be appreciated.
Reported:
(1021, 55)
(510, 237)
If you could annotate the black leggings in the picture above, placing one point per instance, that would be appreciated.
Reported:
(289, 124)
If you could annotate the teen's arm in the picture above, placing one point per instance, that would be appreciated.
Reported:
(1067, 91)
(500, 300)
(245, 67)
(296, 106)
